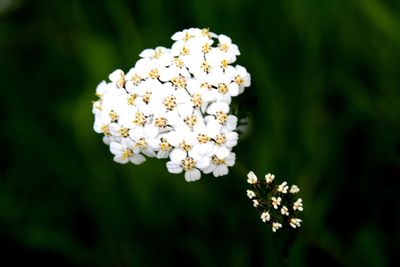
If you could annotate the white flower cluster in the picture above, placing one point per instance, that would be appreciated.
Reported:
(175, 103)
(277, 204)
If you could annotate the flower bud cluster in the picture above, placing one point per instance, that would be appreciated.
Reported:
(278, 204)
(175, 104)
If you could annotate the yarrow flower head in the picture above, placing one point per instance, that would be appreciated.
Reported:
(175, 104)
(278, 206)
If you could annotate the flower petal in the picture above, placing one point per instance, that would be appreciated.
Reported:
(137, 159)
(177, 155)
(173, 167)
(115, 75)
(115, 148)
(192, 175)
(220, 170)
(203, 162)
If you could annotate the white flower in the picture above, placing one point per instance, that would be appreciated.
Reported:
(202, 68)
(240, 76)
(193, 34)
(255, 203)
(206, 133)
(226, 87)
(295, 222)
(221, 159)
(142, 146)
(226, 46)
(276, 201)
(294, 189)
(269, 178)
(188, 165)
(201, 94)
(250, 194)
(283, 187)
(265, 216)
(228, 139)
(276, 226)
(171, 105)
(132, 80)
(181, 160)
(162, 145)
(147, 68)
(298, 205)
(251, 178)
(285, 211)
(118, 130)
(220, 110)
(124, 152)
(182, 139)
(101, 88)
(118, 78)
(113, 105)
(176, 69)
(160, 55)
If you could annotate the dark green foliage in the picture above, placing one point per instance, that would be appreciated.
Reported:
(325, 109)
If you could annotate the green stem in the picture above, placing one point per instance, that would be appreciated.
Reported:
(240, 169)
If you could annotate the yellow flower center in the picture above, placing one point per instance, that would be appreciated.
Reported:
(113, 115)
(170, 102)
(136, 79)
(179, 82)
(222, 88)
(160, 122)
(223, 47)
(187, 37)
(164, 145)
(124, 132)
(203, 139)
(131, 99)
(146, 97)
(188, 164)
(206, 48)
(206, 85)
(216, 160)
(185, 51)
(127, 154)
(206, 32)
(157, 53)
(239, 80)
(105, 130)
(121, 81)
(190, 120)
(140, 119)
(185, 146)
(178, 63)
(153, 74)
(224, 64)
(221, 116)
(141, 143)
(205, 67)
(220, 139)
(197, 100)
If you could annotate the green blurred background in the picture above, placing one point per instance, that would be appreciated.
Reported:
(325, 104)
